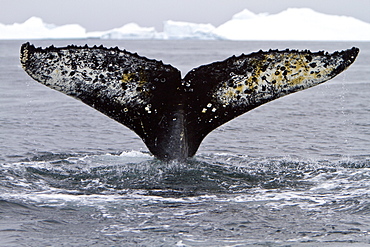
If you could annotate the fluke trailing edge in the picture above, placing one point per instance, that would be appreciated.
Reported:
(173, 115)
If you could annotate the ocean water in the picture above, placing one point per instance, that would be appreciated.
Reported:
(293, 172)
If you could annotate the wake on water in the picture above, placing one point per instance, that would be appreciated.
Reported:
(216, 199)
(218, 174)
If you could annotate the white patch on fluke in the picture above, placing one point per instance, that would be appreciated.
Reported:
(69, 74)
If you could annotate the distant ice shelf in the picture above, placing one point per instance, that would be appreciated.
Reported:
(291, 24)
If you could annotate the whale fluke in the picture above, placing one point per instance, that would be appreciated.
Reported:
(173, 115)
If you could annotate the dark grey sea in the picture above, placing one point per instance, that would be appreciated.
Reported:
(293, 172)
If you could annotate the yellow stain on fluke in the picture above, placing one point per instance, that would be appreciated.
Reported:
(127, 77)
(140, 78)
(276, 72)
(136, 87)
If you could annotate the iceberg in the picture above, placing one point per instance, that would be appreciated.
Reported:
(187, 30)
(292, 24)
(171, 30)
(130, 31)
(35, 28)
(247, 14)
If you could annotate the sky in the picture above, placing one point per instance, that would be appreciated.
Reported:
(100, 15)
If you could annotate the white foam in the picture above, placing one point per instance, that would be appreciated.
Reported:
(134, 153)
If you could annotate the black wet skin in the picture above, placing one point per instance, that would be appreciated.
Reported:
(173, 115)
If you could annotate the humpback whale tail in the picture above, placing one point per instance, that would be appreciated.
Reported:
(173, 115)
